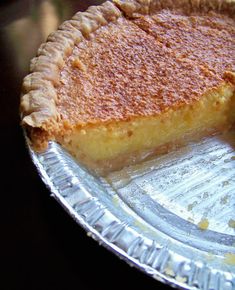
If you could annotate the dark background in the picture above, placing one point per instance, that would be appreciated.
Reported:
(41, 246)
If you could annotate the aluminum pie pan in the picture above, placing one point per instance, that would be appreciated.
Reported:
(149, 214)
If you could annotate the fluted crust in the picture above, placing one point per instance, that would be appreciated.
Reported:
(38, 102)
(132, 7)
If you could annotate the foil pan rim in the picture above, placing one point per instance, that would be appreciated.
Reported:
(56, 169)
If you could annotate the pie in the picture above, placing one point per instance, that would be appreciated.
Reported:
(132, 78)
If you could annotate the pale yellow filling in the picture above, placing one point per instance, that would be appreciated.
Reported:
(110, 141)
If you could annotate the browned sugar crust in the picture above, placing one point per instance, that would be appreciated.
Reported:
(206, 39)
(145, 66)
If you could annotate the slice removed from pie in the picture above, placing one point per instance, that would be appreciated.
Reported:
(128, 79)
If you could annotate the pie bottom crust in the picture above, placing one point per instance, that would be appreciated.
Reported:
(104, 167)
(105, 148)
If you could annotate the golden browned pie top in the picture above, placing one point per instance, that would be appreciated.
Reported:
(139, 58)
(142, 67)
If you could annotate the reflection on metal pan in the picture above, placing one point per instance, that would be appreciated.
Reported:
(173, 217)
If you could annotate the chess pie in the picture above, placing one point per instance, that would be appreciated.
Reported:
(132, 78)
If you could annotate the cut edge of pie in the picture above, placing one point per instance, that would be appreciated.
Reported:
(110, 144)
